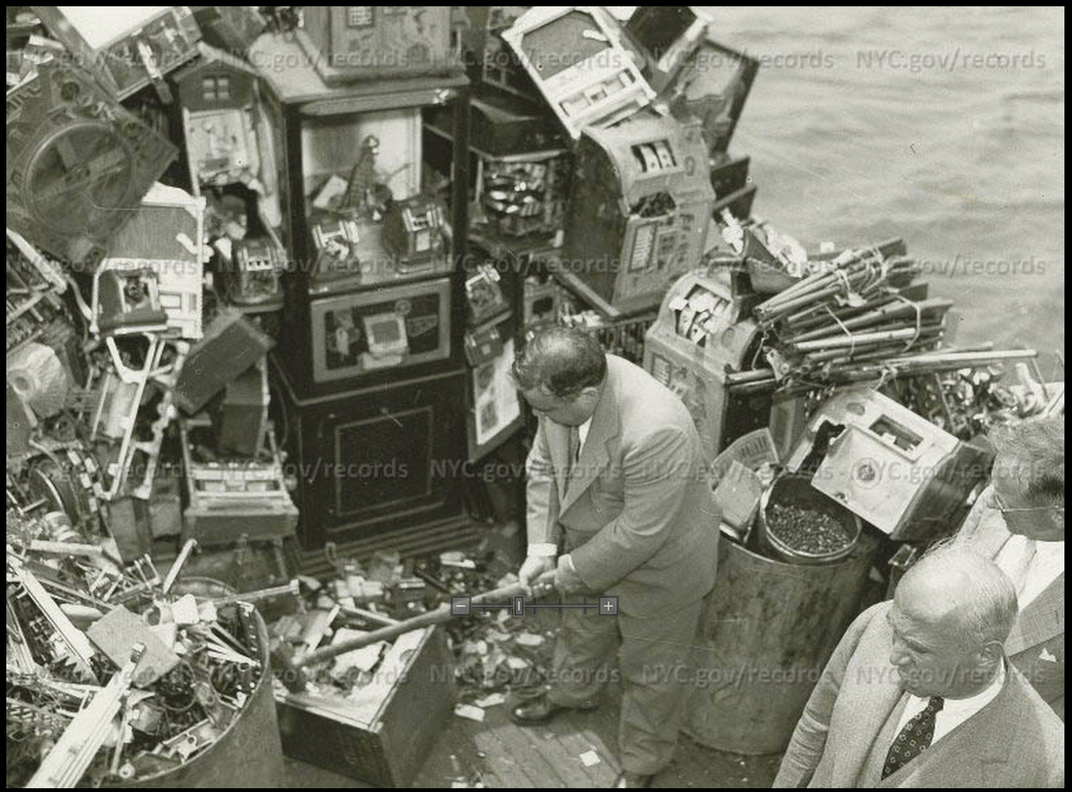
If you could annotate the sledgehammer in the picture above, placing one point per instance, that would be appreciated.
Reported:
(293, 671)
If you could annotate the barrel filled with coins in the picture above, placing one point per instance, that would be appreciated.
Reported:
(801, 525)
(767, 630)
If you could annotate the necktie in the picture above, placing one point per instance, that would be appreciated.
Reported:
(914, 738)
(574, 447)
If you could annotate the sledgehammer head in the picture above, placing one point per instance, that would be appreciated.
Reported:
(284, 666)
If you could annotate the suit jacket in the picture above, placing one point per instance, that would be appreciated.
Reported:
(637, 512)
(1014, 741)
(1036, 645)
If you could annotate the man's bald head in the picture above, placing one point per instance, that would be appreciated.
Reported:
(949, 620)
(963, 591)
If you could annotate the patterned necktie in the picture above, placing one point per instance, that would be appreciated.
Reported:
(574, 449)
(914, 738)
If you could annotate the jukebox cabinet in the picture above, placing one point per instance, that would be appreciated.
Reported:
(369, 376)
(376, 463)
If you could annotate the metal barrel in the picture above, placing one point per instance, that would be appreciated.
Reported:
(798, 491)
(767, 631)
(248, 754)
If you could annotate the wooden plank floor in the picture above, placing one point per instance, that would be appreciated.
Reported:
(505, 755)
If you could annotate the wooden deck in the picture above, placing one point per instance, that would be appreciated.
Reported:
(504, 755)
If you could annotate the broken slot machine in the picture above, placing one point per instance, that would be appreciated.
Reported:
(639, 212)
(579, 63)
(131, 48)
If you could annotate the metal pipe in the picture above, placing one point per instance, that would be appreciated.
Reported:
(838, 342)
(176, 568)
(915, 366)
(65, 548)
(290, 589)
(887, 311)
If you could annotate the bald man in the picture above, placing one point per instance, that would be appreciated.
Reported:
(919, 693)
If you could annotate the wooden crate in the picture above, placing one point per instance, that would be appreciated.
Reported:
(383, 736)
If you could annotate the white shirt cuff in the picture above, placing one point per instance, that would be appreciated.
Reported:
(543, 550)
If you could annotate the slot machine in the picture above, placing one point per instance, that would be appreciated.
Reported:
(639, 212)
(702, 333)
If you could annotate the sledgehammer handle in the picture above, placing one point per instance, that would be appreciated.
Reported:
(438, 616)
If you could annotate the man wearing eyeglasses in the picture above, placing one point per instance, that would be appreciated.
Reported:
(1019, 521)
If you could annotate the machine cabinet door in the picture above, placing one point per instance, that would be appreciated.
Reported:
(385, 460)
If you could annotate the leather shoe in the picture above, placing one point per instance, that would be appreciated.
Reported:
(629, 780)
(541, 709)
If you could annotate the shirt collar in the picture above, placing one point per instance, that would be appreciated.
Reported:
(1050, 550)
(973, 704)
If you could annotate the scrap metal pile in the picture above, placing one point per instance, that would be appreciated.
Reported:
(861, 316)
(102, 307)
(114, 673)
(356, 600)
(109, 301)
(92, 393)
(493, 650)
(966, 402)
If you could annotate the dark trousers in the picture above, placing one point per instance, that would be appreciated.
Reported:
(654, 660)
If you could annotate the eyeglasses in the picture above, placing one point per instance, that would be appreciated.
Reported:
(995, 502)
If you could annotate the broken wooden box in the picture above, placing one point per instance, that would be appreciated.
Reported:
(383, 734)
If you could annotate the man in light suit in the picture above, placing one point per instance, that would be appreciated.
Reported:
(919, 692)
(616, 472)
(1019, 521)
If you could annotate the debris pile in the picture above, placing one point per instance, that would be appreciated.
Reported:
(856, 307)
(968, 402)
(494, 651)
(113, 326)
(836, 318)
(357, 600)
(115, 673)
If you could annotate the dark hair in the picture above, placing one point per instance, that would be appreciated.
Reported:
(1038, 448)
(562, 360)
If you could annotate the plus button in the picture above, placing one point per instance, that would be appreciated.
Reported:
(608, 606)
